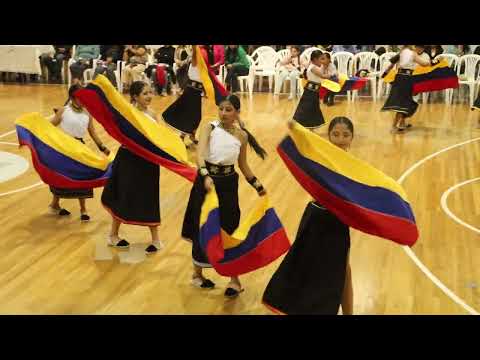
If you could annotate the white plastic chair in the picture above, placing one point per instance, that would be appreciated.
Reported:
(368, 61)
(264, 59)
(452, 60)
(471, 61)
(248, 79)
(384, 63)
(344, 60)
(87, 74)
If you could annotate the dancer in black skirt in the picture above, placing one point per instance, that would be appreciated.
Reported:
(315, 276)
(222, 143)
(132, 193)
(308, 112)
(476, 106)
(400, 99)
(74, 121)
(185, 113)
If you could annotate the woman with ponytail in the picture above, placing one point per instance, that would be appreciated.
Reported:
(131, 195)
(74, 121)
(315, 278)
(222, 143)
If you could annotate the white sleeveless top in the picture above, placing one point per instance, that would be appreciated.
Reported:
(224, 148)
(73, 123)
(407, 59)
(194, 73)
(311, 76)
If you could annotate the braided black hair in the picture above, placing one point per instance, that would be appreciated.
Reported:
(235, 101)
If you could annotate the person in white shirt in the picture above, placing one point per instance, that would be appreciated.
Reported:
(400, 99)
(289, 67)
(74, 121)
(222, 144)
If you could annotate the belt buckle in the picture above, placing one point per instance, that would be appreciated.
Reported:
(227, 170)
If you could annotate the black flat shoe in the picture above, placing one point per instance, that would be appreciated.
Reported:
(64, 212)
(84, 217)
(203, 283)
(151, 249)
(122, 244)
(232, 293)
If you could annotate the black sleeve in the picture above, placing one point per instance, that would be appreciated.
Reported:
(395, 59)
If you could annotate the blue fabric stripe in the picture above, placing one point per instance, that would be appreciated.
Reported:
(374, 198)
(60, 163)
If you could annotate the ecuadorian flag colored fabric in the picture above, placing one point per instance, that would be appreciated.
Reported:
(61, 160)
(213, 88)
(154, 142)
(345, 83)
(357, 193)
(430, 78)
(259, 240)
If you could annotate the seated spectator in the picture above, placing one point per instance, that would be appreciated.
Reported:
(433, 51)
(289, 67)
(180, 67)
(84, 55)
(165, 56)
(218, 57)
(54, 62)
(327, 70)
(110, 54)
(136, 59)
(349, 48)
(237, 65)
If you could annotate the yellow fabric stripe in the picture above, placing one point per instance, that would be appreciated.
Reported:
(240, 234)
(54, 137)
(210, 203)
(159, 134)
(419, 70)
(253, 217)
(312, 146)
(206, 81)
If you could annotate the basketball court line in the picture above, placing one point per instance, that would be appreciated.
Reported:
(410, 252)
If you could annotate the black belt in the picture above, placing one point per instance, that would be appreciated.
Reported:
(195, 84)
(219, 170)
(313, 86)
(405, 71)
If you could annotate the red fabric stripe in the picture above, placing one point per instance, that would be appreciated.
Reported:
(267, 251)
(102, 114)
(161, 75)
(272, 309)
(435, 85)
(50, 177)
(110, 211)
(398, 230)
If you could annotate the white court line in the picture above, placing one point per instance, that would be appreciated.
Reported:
(7, 133)
(447, 210)
(22, 189)
(26, 187)
(414, 257)
(8, 143)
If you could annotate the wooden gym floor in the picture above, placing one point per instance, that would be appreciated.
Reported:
(50, 265)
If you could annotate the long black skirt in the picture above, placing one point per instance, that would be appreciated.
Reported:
(72, 193)
(132, 193)
(185, 113)
(311, 277)
(227, 192)
(476, 104)
(401, 98)
(308, 113)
